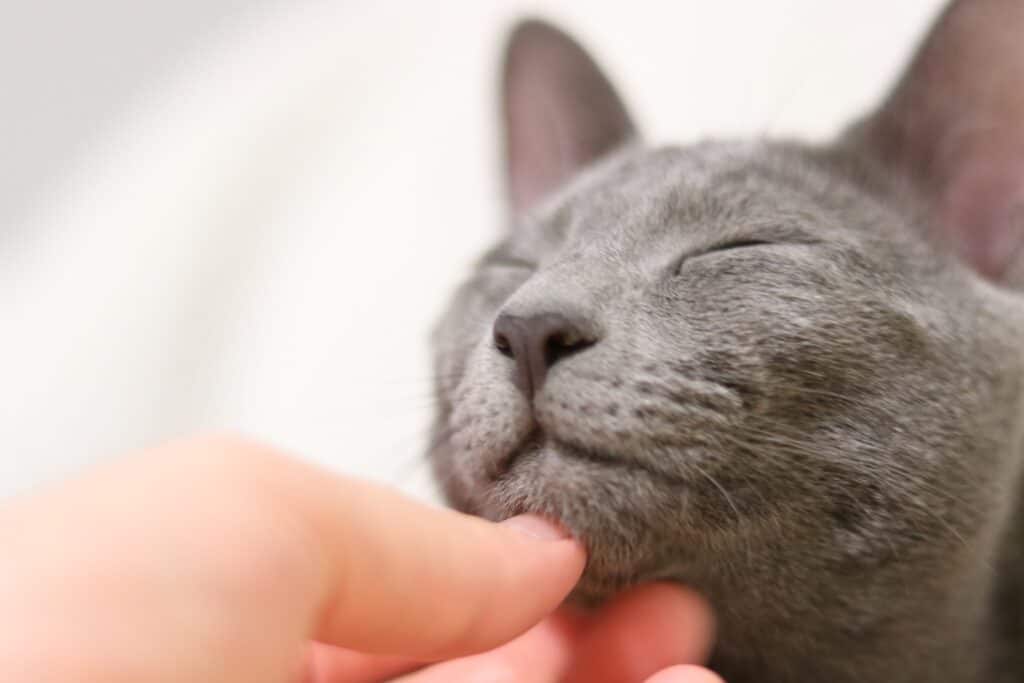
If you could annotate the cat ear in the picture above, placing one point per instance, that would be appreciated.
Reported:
(955, 126)
(560, 112)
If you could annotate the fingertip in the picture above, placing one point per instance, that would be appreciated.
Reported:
(644, 631)
(676, 618)
(556, 539)
(536, 565)
(675, 602)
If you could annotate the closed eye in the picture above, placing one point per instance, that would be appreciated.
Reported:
(724, 246)
(738, 244)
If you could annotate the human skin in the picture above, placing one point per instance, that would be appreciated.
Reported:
(218, 559)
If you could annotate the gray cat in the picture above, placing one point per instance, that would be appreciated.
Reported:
(789, 376)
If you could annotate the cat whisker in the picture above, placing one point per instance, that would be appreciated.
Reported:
(725, 494)
(892, 472)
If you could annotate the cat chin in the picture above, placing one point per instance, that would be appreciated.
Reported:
(544, 457)
(557, 479)
(624, 514)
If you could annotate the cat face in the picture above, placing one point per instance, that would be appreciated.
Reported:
(709, 360)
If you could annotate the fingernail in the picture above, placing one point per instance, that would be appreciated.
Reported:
(537, 527)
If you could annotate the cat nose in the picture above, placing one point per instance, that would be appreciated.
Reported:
(537, 342)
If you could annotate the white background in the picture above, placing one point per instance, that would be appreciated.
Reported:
(219, 214)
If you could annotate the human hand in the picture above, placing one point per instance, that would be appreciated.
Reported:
(221, 560)
(628, 640)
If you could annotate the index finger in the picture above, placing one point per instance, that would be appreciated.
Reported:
(400, 577)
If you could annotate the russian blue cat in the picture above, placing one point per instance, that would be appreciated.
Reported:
(787, 375)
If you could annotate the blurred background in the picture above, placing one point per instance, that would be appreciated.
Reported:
(245, 214)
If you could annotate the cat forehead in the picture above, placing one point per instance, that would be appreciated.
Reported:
(704, 187)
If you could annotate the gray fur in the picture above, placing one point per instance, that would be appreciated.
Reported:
(822, 434)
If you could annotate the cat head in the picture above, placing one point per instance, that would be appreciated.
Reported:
(713, 359)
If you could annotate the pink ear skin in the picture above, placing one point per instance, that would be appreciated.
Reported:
(983, 213)
(954, 125)
(560, 112)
